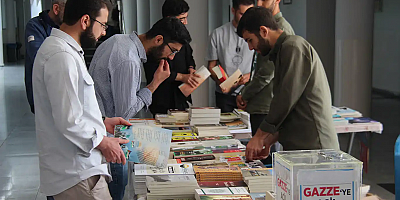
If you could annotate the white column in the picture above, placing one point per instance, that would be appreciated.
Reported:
(129, 15)
(143, 16)
(354, 51)
(198, 28)
(155, 11)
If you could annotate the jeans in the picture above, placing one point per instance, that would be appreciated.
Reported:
(119, 175)
(226, 102)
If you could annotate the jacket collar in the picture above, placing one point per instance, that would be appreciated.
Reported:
(46, 18)
(67, 38)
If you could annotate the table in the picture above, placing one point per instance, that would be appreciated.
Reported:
(373, 127)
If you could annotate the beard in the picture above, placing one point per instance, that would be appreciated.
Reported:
(155, 54)
(263, 46)
(87, 38)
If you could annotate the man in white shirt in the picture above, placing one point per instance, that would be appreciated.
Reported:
(71, 134)
(231, 52)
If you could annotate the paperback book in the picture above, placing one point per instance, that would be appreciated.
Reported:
(147, 144)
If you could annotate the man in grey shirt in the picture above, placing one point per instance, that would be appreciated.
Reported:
(232, 53)
(116, 71)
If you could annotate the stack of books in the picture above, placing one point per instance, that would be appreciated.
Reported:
(171, 186)
(218, 173)
(229, 117)
(244, 116)
(143, 170)
(259, 180)
(222, 193)
(211, 130)
(204, 115)
(179, 115)
(165, 118)
(343, 115)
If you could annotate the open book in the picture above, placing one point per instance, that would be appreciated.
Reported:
(187, 89)
(227, 83)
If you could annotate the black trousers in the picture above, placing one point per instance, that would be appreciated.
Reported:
(226, 102)
(256, 120)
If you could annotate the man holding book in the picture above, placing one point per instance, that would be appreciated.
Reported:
(182, 67)
(300, 114)
(231, 52)
(71, 134)
(116, 71)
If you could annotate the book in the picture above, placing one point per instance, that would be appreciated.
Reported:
(231, 81)
(197, 158)
(187, 89)
(225, 197)
(258, 196)
(222, 191)
(147, 144)
(204, 110)
(171, 169)
(228, 117)
(220, 72)
(183, 154)
(217, 184)
(235, 125)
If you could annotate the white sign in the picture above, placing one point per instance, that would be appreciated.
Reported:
(327, 192)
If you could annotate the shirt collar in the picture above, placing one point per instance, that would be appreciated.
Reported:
(141, 51)
(277, 47)
(46, 18)
(68, 39)
(278, 15)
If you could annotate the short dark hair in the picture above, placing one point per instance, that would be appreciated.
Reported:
(171, 29)
(75, 9)
(237, 3)
(173, 8)
(254, 18)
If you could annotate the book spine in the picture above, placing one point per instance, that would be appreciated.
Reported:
(197, 158)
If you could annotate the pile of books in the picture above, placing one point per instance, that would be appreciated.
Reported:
(204, 115)
(259, 180)
(343, 115)
(229, 117)
(141, 171)
(244, 116)
(211, 130)
(218, 173)
(223, 193)
(171, 186)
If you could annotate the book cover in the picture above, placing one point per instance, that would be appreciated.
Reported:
(217, 184)
(167, 180)
(220, 72)
(222, 191)
(171, 169)
(216, 169)
(231, 81)
(238, 124)
(201, 152)
(147, 144)
(187, 89)
(197, 158)
(204, 110)
(225, 197)
(249, 174)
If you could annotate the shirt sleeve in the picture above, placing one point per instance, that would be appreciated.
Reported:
(212, 48)
(33, 39)
(294, 76)
(261, 79)
(62, 84)
(189, 57)
(128, 100)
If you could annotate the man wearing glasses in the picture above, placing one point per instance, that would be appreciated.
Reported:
(168, 95)
(116, 71)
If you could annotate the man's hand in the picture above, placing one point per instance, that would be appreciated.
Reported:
(192, 70)
(240, 102)
(162, 72)
(111, 122)
(111, 150)
(259, 146)
(191, 79)
(160, 75)
(245, 78)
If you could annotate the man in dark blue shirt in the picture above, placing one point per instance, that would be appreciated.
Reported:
(36, 31)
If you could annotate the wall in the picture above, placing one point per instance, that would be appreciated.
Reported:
(321, 34)
(198, 28)
(1, 38)
(386, 58)
(296, 15)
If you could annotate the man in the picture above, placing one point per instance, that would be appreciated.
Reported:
(256, 96)
(231, 52)
(70, 131)
(36, 31)
(116, 71)
(300, 115)
(168, 95)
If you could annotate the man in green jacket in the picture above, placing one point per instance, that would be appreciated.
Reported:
(256, 96)
(300, 113)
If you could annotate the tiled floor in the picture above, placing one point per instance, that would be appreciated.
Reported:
(19, 164)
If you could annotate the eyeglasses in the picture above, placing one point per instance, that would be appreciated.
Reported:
(173, 52)
(105, 27)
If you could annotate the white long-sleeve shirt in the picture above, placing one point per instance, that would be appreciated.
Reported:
(68, 121)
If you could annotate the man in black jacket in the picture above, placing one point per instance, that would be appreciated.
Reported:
(36, 31)
(168, 95)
